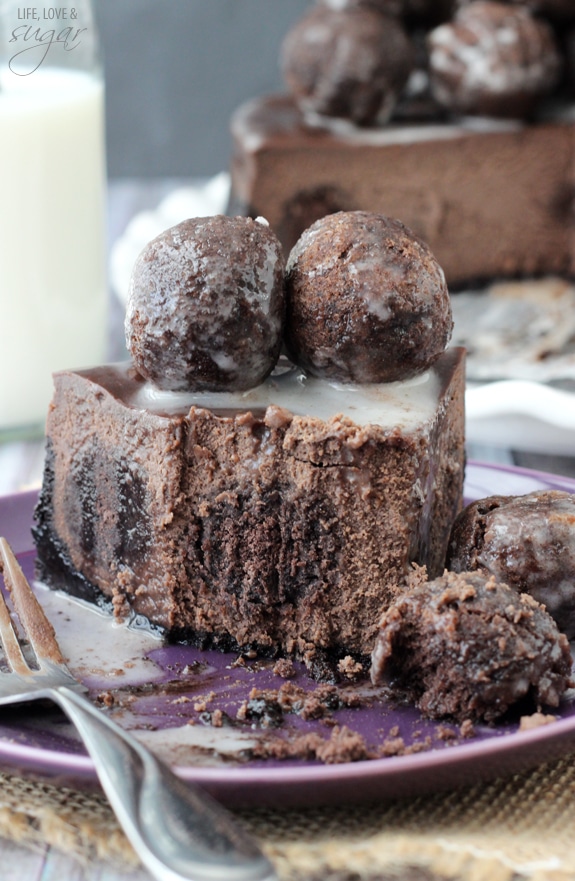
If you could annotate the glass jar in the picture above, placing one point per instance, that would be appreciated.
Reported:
(53, 288)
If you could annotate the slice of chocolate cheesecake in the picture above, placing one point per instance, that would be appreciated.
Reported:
(284, 518)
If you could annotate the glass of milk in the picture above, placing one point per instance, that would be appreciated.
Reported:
(53, 287)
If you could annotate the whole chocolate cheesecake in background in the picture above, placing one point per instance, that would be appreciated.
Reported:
(475, 152)
(280, 517)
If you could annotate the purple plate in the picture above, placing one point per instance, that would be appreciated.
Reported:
(194, 708)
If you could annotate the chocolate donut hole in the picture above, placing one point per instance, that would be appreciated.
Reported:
(493, 59)
(366, 300)
(206, 305)
(349, 63)
(526, 541)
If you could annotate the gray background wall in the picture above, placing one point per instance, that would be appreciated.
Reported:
(176, 69)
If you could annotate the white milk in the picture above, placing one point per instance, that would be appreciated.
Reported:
(53, 290)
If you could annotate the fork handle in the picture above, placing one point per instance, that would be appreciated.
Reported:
(177, 830)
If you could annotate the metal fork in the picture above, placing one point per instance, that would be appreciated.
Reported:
(178, 831)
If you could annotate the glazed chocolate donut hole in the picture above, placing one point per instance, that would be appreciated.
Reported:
(493, 59)
(206, 305)
(350, 63)
(366, 300)
(467, 647)
(526, 541)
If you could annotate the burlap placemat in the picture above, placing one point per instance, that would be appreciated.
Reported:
(513, 828)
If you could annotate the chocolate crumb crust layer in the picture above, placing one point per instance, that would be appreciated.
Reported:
(268, 530)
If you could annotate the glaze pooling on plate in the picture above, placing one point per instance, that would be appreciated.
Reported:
(208, 708)
(143, 685)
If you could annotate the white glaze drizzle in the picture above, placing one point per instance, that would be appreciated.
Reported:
(404, 404)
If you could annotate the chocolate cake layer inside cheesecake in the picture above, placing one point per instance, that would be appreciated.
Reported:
(284, 518)
(492, 198)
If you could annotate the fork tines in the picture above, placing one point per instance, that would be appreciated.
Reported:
(36, 626)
